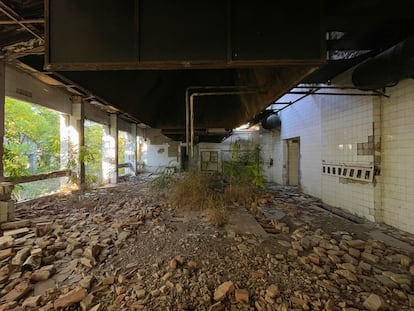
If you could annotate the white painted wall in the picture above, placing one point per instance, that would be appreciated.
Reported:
(398, 156)
(23, 86)
(156, 157)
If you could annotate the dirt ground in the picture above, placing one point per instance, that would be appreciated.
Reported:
(125, 248)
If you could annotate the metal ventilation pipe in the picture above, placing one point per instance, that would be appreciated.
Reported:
(387, 68)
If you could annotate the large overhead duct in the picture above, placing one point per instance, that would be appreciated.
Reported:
(387, 68)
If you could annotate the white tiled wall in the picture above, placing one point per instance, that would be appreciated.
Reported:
(397, 167)
(303, 120)
(347, 121)
(330, 128)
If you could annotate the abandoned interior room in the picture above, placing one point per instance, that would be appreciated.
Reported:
(206, 155)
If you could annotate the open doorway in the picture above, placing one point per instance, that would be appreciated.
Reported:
(293, 157)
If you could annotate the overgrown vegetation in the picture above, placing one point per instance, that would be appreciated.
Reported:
(242, 178)
(31, 139)
(245, 167)
(91, 153)
(31, 146)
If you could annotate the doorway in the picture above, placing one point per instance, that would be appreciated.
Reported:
(293, 161)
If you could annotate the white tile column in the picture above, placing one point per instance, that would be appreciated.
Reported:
(110, 151)
(76, 139)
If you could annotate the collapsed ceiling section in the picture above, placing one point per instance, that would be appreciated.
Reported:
(143, 56)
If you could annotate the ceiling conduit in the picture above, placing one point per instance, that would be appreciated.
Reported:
(387, 68)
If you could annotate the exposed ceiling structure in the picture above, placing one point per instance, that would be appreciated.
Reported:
(143, 57)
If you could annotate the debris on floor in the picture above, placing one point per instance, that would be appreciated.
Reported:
(123, 248)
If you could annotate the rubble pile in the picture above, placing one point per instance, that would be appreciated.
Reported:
(122, 248)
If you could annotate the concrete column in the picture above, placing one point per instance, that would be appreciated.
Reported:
(377, 109)
(2, 104)
(131, 150)
(76, 139)
(64, 141)
(110, 151)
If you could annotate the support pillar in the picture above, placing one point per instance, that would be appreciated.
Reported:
(131, 150)
(77, 139)
(2, 111)
(110, 151)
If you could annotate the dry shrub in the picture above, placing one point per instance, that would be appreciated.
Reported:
(239, 194)
(217, 216)
(190, 191)
(217, 213)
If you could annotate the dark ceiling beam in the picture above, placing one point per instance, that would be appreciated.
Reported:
(24, 21)
(6, 10)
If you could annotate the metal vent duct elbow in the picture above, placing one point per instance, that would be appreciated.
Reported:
(387, 68)
(271, 122)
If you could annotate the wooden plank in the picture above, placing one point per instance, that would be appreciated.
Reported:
(15, 224)
(43, 176)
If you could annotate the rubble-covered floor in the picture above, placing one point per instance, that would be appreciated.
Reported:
(122, 248)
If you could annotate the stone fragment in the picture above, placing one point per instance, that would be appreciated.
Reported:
(92, 252)
(272, 291)
(140, 293)
(108, 280)
(87, 302)
(314, 258)
(32, 301)
(364, 266)
(370, 257)
(347, 274)
(318, 270)
(242, 296)
(43, 228)
(21, 256)
(40, 275)
(6, 242)
(97, 307)
(123, 235)
(284, 243)
(305, 242)
(401, 279)
(173, 264)
(87, 262)
(354, 252)
(349, 259)
(358, 244)
(15, 224)
(375, 303)
(20, 290)
(405, 261)
(293, 252)
(74, 296)
(8, 306)
(192, 264)
(6, 253)
(32, 263)
(223, 290)
(16, 232)
(410, 300)
(386, 281)
(349, 267)
(86, 282)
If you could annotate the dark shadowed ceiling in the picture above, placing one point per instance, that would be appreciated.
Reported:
(141, 56)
